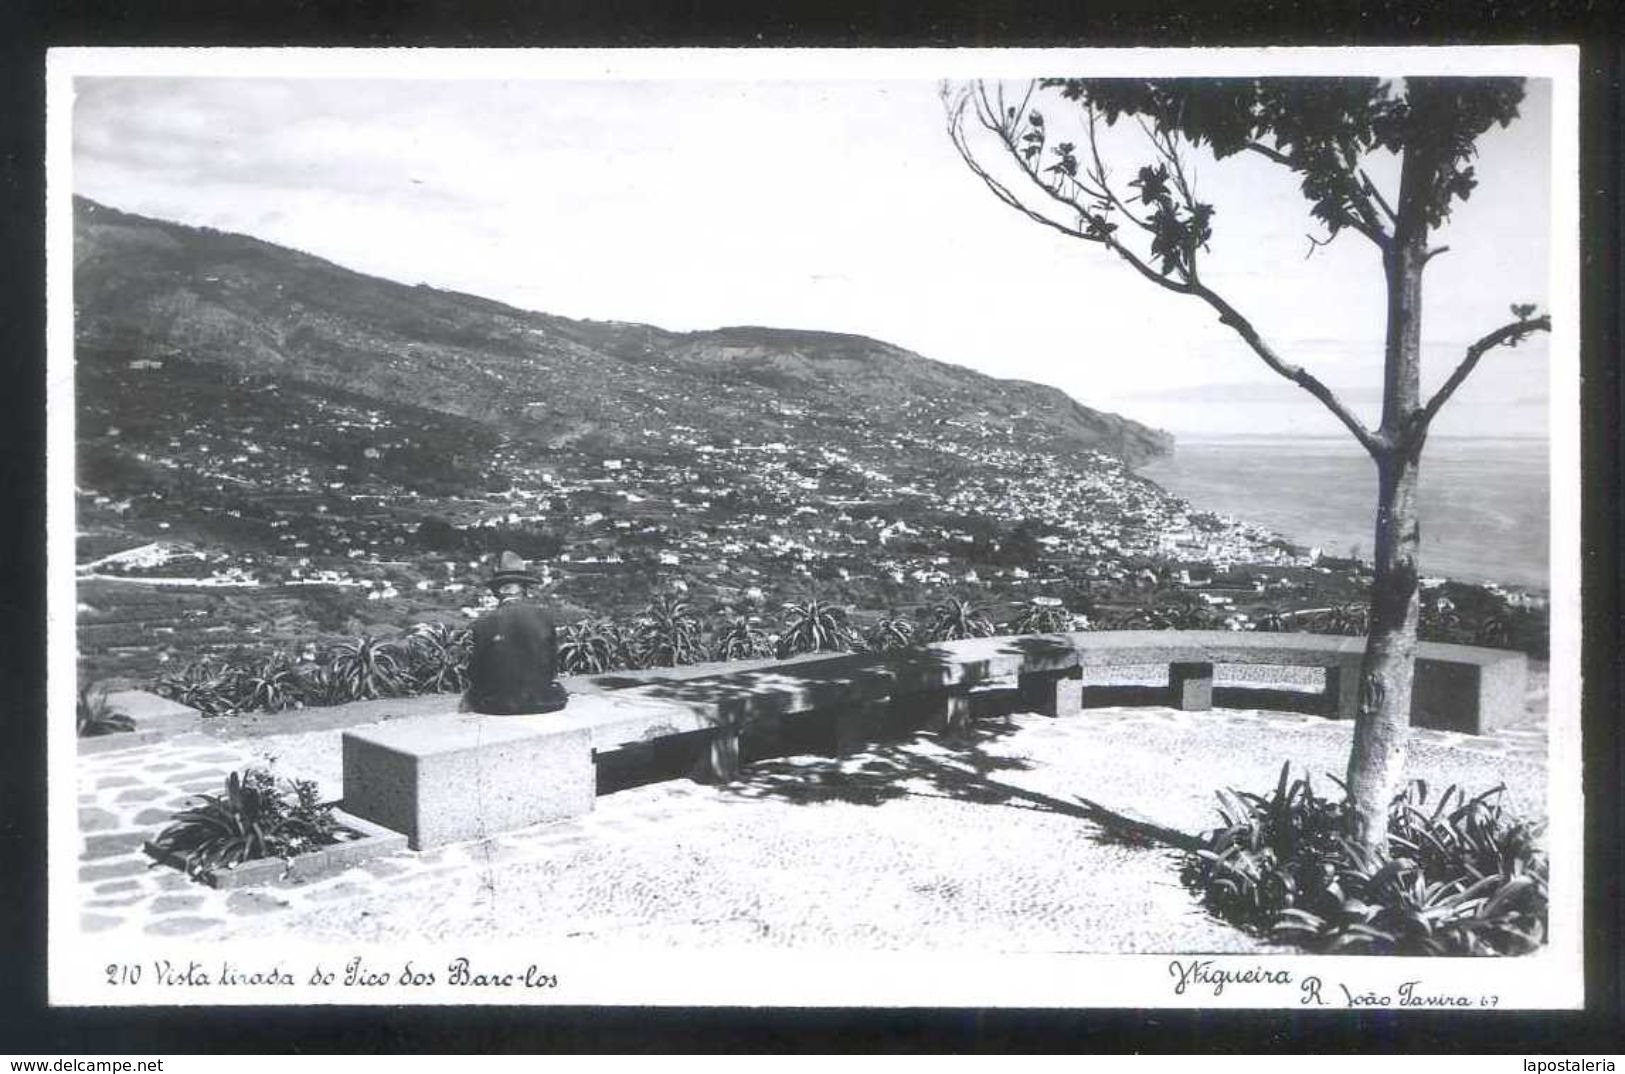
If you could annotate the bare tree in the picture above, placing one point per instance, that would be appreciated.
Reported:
(1326, 132)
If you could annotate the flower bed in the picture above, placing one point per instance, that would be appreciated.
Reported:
(266, 831)
(365, 841)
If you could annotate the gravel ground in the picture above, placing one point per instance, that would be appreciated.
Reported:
(1033, 836)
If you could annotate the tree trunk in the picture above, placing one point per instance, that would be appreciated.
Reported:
(1377, 762)
(1382, 723)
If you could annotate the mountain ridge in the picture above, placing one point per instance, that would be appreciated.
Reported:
(154, 288)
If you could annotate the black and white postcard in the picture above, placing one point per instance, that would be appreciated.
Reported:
(1050, 528)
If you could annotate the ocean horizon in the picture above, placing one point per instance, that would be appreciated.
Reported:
(1485, 500)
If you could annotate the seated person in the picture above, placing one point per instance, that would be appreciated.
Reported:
(511, 668)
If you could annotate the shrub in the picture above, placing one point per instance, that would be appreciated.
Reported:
(1183, 611)
(1042, 615)
(95, 717)
(1461, 878)
(1348, 619)
(437, 658)
(889, 634)
(1495, 630)
(1531, 632)
(363, 668)
(814, 626)
(1438, 620)
(741, 638)
(955, 619)
(257, 817)
(317, 684)
(589, 647)
(205, 685)
(668, 633)
(1267, 620)
(273, 686)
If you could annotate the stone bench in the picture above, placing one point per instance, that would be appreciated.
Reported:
(457, 777)
(1457, 687)
(465, 776)
(155, 718)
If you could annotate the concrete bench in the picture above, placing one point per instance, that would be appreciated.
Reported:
(457, 777)
(1457, 688)
(465, 776)
(445, 779)
(155, 718)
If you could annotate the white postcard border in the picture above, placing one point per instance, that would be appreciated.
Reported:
(79, 964)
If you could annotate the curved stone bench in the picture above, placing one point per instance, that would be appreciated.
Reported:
(444, 779)
(1457, 688)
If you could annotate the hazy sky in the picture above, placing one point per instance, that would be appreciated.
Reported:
(836, 205)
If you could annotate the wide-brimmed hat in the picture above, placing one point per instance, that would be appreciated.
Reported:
(510, 568)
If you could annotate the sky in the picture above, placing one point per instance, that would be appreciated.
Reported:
(837, 205)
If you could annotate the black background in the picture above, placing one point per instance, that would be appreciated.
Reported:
(29, 1027)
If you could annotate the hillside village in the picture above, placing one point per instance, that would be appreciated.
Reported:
(963, 508)
(271, 449)
(880, 519)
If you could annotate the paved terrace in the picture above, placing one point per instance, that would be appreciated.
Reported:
(1029, 833)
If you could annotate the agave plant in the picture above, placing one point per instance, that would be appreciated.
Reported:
(1458, 878)
(628, 651)
(741, 637)
(589, 647)
(1437, 619)
(272, 686)
(317, 684)
(1126, 619)
(95, 717)
(889, 633)
(255, 818)
(1042, 615)
(814, 626)
(365, 667)
(437, 657)
(955, 619)
(1495, 629)
(1269, 621)
(1352, 619)
(207, 684)
(668, 633)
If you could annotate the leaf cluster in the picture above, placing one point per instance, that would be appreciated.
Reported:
(1049, 617)
(1460, 875)
(256, 817)
(1323, 129)
(94, 717)
(429, 658)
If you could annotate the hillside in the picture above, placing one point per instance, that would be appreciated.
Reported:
(157, 290)
(295, 449)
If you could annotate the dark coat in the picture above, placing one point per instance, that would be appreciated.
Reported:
(512, 667)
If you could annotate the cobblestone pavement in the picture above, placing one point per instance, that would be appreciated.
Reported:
(901, 845)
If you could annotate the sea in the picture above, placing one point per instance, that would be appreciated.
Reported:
(1485, 502)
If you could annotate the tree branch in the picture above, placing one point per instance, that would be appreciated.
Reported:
(998, 123)
(1507, 335)
(1098, 234)
(1363, 194)
(1273, 154)
(1295, 373)
(1376, 195)
(1099, 174)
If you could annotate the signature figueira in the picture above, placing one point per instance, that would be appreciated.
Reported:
(1204, 972)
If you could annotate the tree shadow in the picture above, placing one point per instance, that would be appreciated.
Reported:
(789, 741)
(963, 771)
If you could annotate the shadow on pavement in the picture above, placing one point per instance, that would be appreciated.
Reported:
(966, 773)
